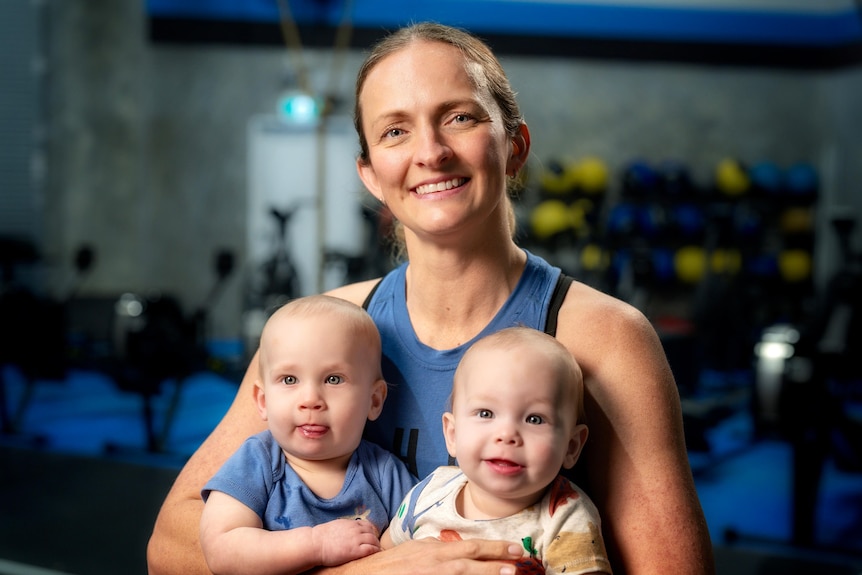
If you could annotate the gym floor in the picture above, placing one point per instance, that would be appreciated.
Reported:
(79, 488)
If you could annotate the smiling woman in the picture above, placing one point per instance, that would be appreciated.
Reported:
(441, 136)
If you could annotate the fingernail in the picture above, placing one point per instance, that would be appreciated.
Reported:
(515, 549)
(507, 570)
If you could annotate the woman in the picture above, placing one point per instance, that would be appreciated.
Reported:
(441, 135)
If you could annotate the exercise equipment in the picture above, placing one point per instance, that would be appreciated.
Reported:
(156, 341)
(801, 181)
(32, 324)
(762, 265)
(663, 264)
(731, 178)
(766, 178)
(688, 220)
(550, 218)
(652, 220)
(796, 220)
(556, 179)
(640, 179)
(813, 378)
(747, 221)
(622, 220)
(675, 179)
(589, 175)
(690, 263)
(725, 261)
(794, 265)
(594, 258)
(581, 215)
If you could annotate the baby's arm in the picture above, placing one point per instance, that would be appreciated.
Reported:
(234, 541)
(386, 541)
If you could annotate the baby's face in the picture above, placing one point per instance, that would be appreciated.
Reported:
(318, 386)
(513, 422)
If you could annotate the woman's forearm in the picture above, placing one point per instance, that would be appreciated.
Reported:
(174, 547)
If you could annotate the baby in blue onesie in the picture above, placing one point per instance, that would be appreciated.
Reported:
(308, 491)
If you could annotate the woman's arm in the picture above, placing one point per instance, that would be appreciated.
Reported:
(636, 462)
(434, 557)
(174, 546)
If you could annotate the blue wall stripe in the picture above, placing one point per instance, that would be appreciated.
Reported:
(826, 28)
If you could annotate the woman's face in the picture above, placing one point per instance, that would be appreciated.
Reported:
(438, 151)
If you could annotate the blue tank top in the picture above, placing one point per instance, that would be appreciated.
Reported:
(420, 378)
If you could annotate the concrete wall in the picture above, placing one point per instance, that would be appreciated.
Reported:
(147, 143)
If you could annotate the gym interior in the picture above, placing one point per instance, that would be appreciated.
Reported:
(171, 170)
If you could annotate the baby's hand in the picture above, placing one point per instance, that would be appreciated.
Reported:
(344, 540)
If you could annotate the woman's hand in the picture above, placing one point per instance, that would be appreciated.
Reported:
(434, 557)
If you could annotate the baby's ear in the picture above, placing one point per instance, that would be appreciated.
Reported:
(576, 445)
(449, 433)
(379, 389)
(260, 398)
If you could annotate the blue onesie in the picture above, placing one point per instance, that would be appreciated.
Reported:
(420, 378)
(258, 476)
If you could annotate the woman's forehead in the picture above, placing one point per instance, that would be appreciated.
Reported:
(422, 59)
(420, 74)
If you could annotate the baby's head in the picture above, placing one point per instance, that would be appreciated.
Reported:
(517, 400)
(319, 376)
(534, 344)
(319, 310)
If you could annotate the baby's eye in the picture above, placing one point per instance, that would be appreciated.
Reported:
(535, 419)
(485, 414)
(334, 379)
(288, 380)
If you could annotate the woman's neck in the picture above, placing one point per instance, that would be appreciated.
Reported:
(453, 294)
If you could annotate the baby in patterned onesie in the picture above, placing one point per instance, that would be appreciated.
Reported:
(517, 400)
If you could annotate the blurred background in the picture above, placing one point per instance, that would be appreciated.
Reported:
(171, 170)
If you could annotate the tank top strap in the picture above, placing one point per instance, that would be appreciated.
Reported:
(560, 291)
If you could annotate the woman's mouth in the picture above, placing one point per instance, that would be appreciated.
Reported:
(439, 186)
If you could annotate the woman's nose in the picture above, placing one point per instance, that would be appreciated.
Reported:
(432, 149)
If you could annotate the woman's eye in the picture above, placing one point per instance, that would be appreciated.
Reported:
(485, 414)
(462, 118)
(393, 133)
(334, 379)
(535, 419)
(288, 380)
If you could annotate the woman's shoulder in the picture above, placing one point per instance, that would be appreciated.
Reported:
(590, 319)
(355, 292)
(585, 303)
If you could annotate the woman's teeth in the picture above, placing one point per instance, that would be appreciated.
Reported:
(440, 186)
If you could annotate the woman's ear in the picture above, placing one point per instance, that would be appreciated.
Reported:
(369, 178)
(576, 445)
(520, 151)
(449, 433)
(378, 396)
